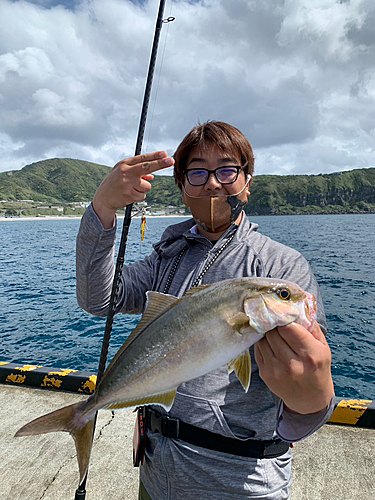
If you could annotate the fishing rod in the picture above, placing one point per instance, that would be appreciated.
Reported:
(81, 491)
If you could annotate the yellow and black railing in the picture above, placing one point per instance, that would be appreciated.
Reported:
(358, 413)
(47, 378)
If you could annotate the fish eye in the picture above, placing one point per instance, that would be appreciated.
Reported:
(283, 293)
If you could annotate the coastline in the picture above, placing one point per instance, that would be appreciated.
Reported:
(188, 216)
(75, 217)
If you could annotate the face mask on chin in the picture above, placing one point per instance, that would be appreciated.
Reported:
(215, 214)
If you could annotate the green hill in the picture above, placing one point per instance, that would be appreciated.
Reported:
(66, 181)
(54, 180)
(352, 191)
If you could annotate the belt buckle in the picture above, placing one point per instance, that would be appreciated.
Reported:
(271, 448)
(170, 426)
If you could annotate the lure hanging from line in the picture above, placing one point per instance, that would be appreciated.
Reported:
(143, 224)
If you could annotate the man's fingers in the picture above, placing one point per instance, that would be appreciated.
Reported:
(137, 196)
(151, 162)
(299, 339)
(144, 158)
(318, 334)
(142, 187)
(264, 348)
(148, 177)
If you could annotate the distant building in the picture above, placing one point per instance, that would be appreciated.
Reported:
(82, 204)
(59, 209)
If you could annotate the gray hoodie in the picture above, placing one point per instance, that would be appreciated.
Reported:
(217, 402)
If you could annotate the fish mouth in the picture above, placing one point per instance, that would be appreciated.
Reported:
(309, 312)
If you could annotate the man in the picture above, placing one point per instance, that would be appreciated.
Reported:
(235, 443)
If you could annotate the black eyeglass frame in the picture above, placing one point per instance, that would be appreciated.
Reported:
(209, 172)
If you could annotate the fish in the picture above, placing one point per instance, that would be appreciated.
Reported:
(177, 340)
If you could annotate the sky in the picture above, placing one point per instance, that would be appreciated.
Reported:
(295, 76)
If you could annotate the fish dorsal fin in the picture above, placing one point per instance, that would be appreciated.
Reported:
(242, 368)
(165, 400)
(157, 303)
(196, 289)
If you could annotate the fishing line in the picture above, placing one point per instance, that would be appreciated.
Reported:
(166, 21)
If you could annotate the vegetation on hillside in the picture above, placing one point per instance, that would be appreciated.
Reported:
(54, 180)
(68, 181)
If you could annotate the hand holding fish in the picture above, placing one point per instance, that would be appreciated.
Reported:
(296, 366)
(127, 183)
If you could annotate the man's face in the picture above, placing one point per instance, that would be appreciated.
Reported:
(210, 158)
(215, 200)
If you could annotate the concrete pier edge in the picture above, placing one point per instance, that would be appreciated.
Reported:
(359, 413)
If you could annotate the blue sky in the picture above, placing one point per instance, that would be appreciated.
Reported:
(297, 77)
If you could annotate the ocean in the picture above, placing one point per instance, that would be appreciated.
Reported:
(41, 323)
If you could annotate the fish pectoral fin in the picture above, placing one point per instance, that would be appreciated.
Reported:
(165, 400)
(239, 321)
(242, 368)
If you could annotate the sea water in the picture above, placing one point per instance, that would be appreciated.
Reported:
(41, 323)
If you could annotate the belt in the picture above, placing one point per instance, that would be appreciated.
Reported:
(175, 428)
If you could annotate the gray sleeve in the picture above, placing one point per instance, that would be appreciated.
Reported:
(293, 427)
(95, 266)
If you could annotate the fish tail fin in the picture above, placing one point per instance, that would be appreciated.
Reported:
(83, 440)
(69, 419)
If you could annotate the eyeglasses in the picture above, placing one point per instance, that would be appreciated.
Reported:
(223, 175)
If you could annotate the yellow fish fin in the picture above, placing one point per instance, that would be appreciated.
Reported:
(242, 368)
(83, 442)
(165, 400)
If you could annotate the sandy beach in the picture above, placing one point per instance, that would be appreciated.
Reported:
(44, 217)
(74, 217)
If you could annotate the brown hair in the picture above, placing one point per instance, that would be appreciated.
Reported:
(226, 137)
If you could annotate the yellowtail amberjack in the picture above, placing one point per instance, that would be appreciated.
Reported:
(178, 340)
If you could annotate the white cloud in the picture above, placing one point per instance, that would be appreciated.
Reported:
(297, 77)
(322, 27)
